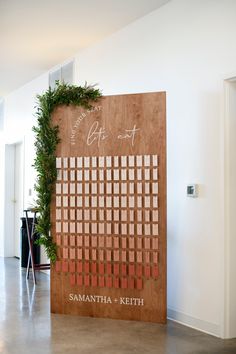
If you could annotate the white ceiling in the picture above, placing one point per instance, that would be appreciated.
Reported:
(36, 35)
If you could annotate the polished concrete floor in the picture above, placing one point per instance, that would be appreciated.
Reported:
(26, 326)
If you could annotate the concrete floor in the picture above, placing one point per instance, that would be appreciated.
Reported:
(26, 326)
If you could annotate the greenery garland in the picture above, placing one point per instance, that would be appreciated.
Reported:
(46, 140)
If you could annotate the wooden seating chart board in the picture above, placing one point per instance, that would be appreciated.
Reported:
(108, 212)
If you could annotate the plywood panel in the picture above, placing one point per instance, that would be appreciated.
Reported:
(109, 209)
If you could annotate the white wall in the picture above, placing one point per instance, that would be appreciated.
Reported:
(19, 120)
(185, 48)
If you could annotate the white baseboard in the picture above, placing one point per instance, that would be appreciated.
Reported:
(200, 325)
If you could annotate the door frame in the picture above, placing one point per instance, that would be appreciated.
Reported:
(228, 269)
(9, 213)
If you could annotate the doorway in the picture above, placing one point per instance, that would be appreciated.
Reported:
(13, 197)
(18, 195)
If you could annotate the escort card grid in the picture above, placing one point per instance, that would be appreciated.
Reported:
(107, 209)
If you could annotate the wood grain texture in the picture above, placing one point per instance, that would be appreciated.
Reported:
(147, 112)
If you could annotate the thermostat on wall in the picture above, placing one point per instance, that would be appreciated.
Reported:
(192, 190)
